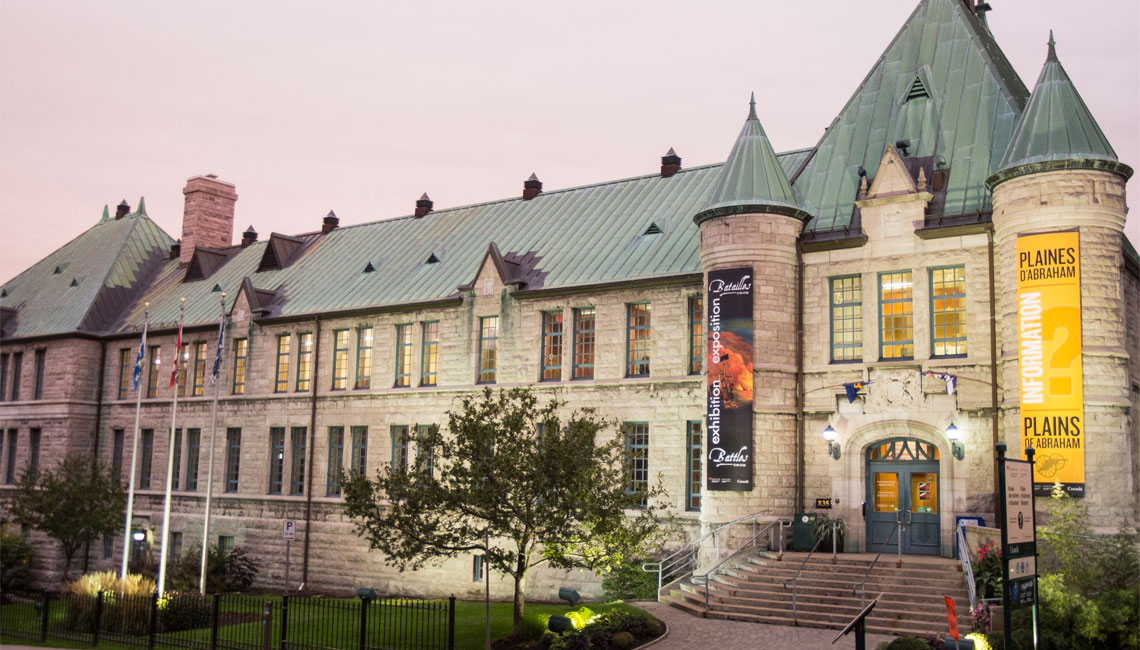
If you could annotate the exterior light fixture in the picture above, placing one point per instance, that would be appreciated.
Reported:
(559, 624)
(138, 535)
(829, 434)
(569, 595)
(954, 434)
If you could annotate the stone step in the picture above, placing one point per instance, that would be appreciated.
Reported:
(825, 580)
(849, 605)
(926, 600)
(771, 567)
(872, 626)
(839, 611)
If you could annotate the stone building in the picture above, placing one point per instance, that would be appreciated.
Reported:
(887, 250)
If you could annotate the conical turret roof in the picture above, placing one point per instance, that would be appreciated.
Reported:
(1056, 131)
(751, 180)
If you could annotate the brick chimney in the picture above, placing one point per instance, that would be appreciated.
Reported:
(670, 163)
(532, 187)
(122, 210)
(208, 215)
(423, 205)
(330, 223)
(176, 250)
(248, 237)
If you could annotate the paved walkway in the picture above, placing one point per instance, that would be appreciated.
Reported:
(687, 632)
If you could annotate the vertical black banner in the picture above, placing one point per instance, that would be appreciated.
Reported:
(729, 404)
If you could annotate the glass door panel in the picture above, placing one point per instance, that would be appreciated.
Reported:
(924, 492)
(886, 491)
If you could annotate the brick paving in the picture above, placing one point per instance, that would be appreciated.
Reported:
(687, 631)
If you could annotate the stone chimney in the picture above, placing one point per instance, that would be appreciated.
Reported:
(122, 210)
(208, 215)
(248, 237)
(423, 205)
(532, 187)
(330, 223)
(670, 163)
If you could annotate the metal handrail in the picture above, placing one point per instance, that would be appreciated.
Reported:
(687, 555)
(795, 578)
(967, 567)
(752, 544)
(898, 563)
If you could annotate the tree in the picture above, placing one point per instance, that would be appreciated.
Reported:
(74, 504)
(544, 490)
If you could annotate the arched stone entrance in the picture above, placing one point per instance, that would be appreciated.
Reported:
(902, 490)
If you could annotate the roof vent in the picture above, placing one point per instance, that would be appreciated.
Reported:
(432, 259)
(195, 270)
(330, 223)
(269, 260)
(670, 163)
(917, 90)
(75, 282)
(423, 205)
(248, 237)
(532, 187)
(58, 270)
(653, 229)
(368, 268)
(216, 289)
(122, 210)
(3, 293)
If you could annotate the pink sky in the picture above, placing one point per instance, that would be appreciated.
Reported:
(360, 107)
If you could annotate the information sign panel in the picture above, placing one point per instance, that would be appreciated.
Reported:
(1019, 509)
(288, 530)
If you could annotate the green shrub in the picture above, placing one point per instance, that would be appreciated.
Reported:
(183, 612)
(987, 571)
(629, 582)
(15, 564)
(108, 581)
(622, 640)
(908, 643)
(233, 571)
(533, 627)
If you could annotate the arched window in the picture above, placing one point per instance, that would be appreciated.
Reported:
(903, 449)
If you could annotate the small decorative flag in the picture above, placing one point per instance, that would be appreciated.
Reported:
(221, 342)
(139, 356)
(177, 351)
(951, 380)
(853, 389)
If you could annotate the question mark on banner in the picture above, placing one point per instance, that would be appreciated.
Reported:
(1066, 350)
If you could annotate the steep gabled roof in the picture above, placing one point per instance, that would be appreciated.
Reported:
(975, 98)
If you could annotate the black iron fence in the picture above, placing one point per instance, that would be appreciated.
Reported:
(231, 622)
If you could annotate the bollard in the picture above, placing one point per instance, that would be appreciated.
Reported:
(153, 628)
(364, 602)
(451, 623)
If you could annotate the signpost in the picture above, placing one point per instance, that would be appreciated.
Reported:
(288, 533)
(1018, 538)
(859, 626)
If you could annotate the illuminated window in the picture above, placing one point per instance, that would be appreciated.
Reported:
(693, 484)
(199, 381)
(276, 458)
(584, 343)
(364, 357)
(340, 360)
(399, 448)
(125, 371)
(696, 334)
(637, 340)
(896, 315)
(637, 458)
(948, 311)
(241, 357)
(226, 544)
(552, 345)
(488, 348)
(284, 348)
(847, 318)
(403, 355)
(152, 377)
(304, 362)
(336, 461)
(429, 372)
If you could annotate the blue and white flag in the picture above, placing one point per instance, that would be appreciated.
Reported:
(221, 342)
(951, 380)
(139, 357)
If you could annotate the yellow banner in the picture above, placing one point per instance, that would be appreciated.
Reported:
(1050, 374)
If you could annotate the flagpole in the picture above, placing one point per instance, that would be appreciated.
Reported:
(170, 460)
(134, 449)
(213, 434)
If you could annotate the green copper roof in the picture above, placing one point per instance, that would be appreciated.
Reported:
(964, 119)
(751, 179)
(1056, 127)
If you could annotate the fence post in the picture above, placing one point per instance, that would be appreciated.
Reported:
(364, 601)
(451, 623)
(267, 626)
(98, 619)
(284, 619)
(44, 622)
(153, 621)
(214, 626)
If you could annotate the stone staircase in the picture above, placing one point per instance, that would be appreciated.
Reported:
(753, 589)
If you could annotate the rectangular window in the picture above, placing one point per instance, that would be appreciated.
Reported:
(696, 334)
(125, 368)
(399, 448)
(429, 361)
(364, 357)
(488, 348)
(425, 455)
(693, 484)
(146, 458)
(193, 448)
(175, 544)
(108, 547)
(896, 315)
(584, 343)
(3, 376)
(637, 340)
(38, 387)
(198, 383)
(241, 358)
(10, 459)
(846, 318)
(359, 460)
(17, 368)
(182, 361)
(281, 380)
(304, 362)
(948, 311)
(297, 466)
(226, 544)
(152, 376)
(477, 568)
(117, 454)
(33, 452)
(233, 458)
(276, 458)
(340, 360)
(336, 461)
(637, 458)
(177, 451)
(552, 345)
(403, 356)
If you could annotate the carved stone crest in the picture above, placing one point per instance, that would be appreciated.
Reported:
(894, 391)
